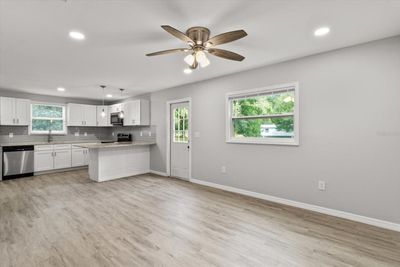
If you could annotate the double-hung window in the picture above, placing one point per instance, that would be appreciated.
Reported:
(47, 117)
(264, 116)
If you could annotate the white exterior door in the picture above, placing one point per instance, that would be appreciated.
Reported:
(179, 140)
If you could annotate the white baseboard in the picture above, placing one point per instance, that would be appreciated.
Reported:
(158, 173)
(332, 212)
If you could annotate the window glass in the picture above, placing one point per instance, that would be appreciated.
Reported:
(46, 117)
(263, 116)
(181, 125)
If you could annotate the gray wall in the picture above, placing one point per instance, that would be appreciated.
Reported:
(349, 131)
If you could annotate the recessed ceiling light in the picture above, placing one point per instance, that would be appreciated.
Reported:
(61, 89)
(187, 71)
(76, 35)
(322, 31)
(109, 95)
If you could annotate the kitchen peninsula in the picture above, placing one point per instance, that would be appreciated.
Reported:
(109, 161)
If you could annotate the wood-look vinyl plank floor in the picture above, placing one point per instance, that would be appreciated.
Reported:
(64, 219)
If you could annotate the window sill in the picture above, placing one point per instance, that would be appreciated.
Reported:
(270, 141)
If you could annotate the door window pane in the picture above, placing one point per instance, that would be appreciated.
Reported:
(181, 125)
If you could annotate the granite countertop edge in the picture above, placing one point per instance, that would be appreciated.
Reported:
(115, 145)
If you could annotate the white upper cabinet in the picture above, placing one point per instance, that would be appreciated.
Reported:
(75, 115)
(82, 115)
(90, 115)
(14, 111)
(115, 108)
(103, 121)
(136, 112)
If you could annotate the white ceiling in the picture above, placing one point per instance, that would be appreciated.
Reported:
(37, 56)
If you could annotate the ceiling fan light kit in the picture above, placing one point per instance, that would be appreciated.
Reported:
(199, 42)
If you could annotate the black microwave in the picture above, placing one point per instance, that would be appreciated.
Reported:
(115, 119)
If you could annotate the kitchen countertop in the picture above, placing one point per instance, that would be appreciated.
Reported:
(116, 144)
(52, 143)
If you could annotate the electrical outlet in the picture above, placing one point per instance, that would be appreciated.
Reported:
(85, 134)
(76, 133)
(223, 169)
(149, 134)
(321, 185)
(11, 135)
(141, 133)
(113, 134)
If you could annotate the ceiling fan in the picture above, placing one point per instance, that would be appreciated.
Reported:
(199, 42)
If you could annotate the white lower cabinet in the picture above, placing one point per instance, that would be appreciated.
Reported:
(80, 157)
(52, 157)
(62, 159)
(43, 160)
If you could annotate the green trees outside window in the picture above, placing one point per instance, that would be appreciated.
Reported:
(46, 117)
(181, 125)
(269, 115)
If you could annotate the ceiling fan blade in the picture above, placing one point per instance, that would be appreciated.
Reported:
(177, 34)
(167, 52)
(225, 54)
(226, 37)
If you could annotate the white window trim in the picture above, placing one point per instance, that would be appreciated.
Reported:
(46, 132)
(265, 141)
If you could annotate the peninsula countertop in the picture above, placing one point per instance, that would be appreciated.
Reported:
(116, 144)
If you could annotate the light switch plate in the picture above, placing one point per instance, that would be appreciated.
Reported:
(11, 135)
(197, 134)
(85, 134)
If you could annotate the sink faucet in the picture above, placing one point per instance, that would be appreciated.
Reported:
(49, 137)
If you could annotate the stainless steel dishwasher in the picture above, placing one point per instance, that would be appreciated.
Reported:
(18, 161)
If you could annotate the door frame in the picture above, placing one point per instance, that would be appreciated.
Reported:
(168, 156)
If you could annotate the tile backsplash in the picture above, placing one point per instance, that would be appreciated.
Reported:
(21, 134)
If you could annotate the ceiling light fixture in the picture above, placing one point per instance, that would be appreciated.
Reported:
(76, 35)
(199, 41)
(202, 59)
(61, 89)
(189, 59)
(322, 31)
(109, 95)
(121, 113)
(103, 113)
(187, 71)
